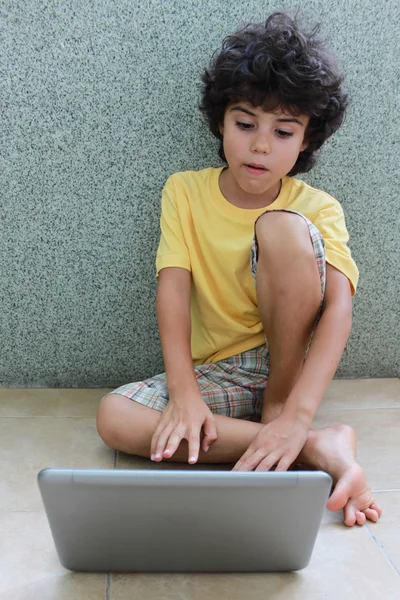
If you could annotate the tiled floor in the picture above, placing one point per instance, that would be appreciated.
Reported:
(45, 427)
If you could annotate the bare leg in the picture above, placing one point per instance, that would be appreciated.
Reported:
(289, 294)
(289, 297)
(128, 426)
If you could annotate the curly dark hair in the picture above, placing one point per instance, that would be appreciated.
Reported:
(277, 65)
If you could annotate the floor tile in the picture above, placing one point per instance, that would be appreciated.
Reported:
(337, 570)
(28, 445)
(30, 569)
(378, 442)
(387, 531)
(351, 394)
(56, 427)
(58, 402)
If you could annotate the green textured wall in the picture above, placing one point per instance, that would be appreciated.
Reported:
(98, 107)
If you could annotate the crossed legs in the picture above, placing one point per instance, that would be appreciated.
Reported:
(289, 294)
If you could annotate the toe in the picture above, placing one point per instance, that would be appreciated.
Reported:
(349, 515)
(371, 514)
(340, 496)
(360, 517)
(376, 508)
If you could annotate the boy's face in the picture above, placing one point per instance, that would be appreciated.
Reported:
(272, 140)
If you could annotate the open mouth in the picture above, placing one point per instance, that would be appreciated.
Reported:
(253, 169)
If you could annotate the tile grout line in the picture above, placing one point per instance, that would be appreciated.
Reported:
(382, 550)
(381, 491)
(108, 579)
(26, 510)
(108, 587)
(46, 417)
(352, 408)
(320, 410)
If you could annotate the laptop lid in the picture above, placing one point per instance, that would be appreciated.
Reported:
(183, 521)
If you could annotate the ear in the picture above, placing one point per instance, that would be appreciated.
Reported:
(303, 146)
(221, 129)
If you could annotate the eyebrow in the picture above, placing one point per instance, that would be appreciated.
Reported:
(279, 119)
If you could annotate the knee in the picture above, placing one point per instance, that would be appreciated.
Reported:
(106, 419)
(283, 232)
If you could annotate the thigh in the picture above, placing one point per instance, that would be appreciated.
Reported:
(232, 387)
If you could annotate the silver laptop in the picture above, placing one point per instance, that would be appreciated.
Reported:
(183, 521)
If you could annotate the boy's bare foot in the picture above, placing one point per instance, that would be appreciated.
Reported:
(333, 450)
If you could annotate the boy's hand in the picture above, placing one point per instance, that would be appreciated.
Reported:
(183, 420)
(278, 443)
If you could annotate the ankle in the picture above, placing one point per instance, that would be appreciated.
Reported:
(330, 449)
(309, 454)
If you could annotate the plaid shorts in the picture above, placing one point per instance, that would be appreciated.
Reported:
(233, 386)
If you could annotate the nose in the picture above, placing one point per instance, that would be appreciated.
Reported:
(261, 143)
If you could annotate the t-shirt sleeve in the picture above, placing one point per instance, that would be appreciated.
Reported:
(172, 250)
(331, 223)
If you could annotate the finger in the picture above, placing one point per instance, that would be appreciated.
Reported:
(194, 446)
(242, 460)
(162, 442)
(161, 425)
(210, 433)
(268, 462)
(172, 444)
(154, 442)
(251, 462)
(283, 464)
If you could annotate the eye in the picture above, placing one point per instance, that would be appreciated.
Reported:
(243, 125)
(284, 134)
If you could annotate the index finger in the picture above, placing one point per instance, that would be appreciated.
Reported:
(242, 459)
(249, 461)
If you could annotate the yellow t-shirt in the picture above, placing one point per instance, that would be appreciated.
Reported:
(204, 233)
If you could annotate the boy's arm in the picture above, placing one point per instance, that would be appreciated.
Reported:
(173, 315)
(281, 441)
(186, 415)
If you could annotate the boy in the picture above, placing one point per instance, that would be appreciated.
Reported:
(255, 279)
